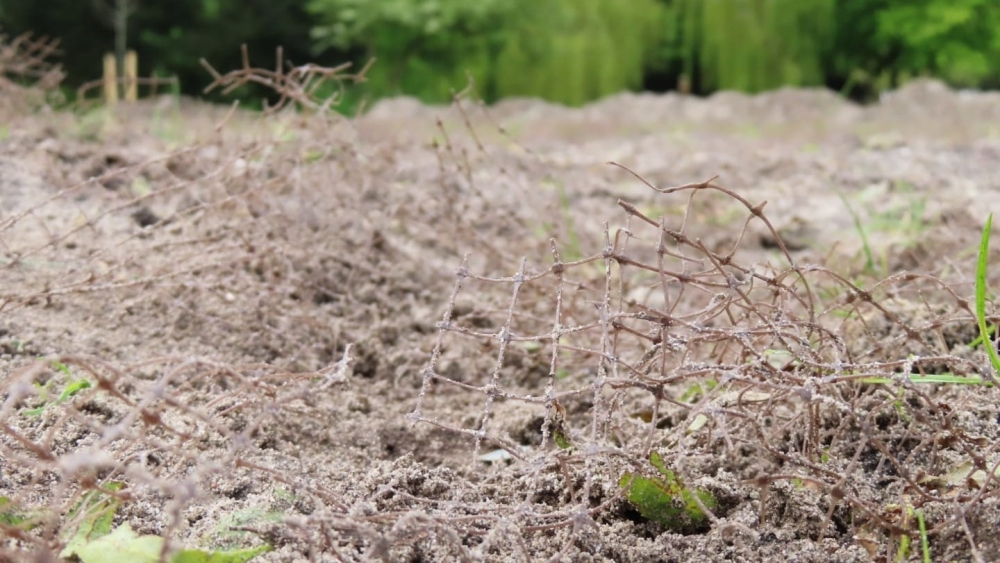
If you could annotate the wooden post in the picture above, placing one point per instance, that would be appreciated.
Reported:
(131, 74)
(110, 80)
(684, 84)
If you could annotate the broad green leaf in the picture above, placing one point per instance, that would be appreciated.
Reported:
(121, 546)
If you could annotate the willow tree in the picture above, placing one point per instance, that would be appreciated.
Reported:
(573, 51)
(754, 45)
(425, 49)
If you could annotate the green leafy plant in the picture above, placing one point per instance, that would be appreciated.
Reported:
(10, 516)
(906, 542)
(665, 499)
(45, 391)
(92, 540)
(93, 517)
(227, 532)
(123, 545)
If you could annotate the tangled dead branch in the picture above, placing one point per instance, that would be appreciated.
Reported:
(301, 85)
(27, 73)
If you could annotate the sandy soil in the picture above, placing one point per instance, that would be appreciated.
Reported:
(352, 340)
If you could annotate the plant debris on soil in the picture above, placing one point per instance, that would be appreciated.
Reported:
(655, 328)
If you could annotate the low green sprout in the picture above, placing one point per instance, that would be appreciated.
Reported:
(11, 516)
(45, 392)
(665, 499)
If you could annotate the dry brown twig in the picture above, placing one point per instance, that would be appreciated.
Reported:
(27, 73)
(297, 84)
(29, 57)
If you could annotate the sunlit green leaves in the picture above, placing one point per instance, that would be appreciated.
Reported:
(665, 499)
(91, 539)
(954, 39)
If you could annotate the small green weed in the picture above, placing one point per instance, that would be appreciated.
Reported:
(225, 534)
(903, 221)
(93, 540)
(865, 246)
(12, 517)
(665, 499)
(93, 516)
(696, 391)
(925, 545)
(45, 392)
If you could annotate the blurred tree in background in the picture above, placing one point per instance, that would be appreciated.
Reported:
(958, 40)
(424, 47)
(573, 51)
(755, 46)
(570, 51)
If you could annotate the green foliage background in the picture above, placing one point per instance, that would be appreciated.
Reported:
(569, 51)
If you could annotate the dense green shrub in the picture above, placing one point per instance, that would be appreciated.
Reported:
(424, 48)
(957, 40)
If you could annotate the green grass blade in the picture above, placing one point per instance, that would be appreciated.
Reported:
(984, 250)
(869, 259)
(924, 544)
(941, 378)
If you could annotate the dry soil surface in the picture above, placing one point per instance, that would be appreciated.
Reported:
(434, 333)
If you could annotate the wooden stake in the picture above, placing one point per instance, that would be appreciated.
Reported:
(110, 80)
(131, 73)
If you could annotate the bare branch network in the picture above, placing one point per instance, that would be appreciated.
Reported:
(306, 85)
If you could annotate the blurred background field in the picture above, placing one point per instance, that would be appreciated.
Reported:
(565, 51)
